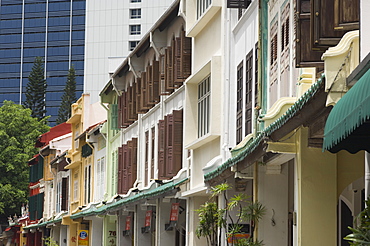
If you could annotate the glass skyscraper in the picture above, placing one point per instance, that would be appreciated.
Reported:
(51, 29)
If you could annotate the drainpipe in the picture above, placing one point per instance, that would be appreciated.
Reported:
(367, 174)
(225, 148)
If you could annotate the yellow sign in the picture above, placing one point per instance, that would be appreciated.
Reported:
(83, 237)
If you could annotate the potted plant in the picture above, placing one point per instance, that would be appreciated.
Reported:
(213, 219)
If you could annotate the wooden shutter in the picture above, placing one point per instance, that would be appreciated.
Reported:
(256, 75)
(64, 205)
(177, 62)
(146, 171)
(120, 170)
(242, 4)
(144, 93)
(125, 108)
(239, 103)
(169, 67)
(132, 146)
(163, 73)
(306, 54)
(149, 78)
(153, 82)
(124, 184)
(346, 14)
(152, 152)
(131, 108)
(114, 116)
(185, 60)
(322, 25)
(177, 142)
(139, 106)
(161, 149)
(248, 92)
(155, 79)
(32, 207)
(121, 111)
(273, 49)
(39, 205)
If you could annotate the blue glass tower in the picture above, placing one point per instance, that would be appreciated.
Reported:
(52, 29)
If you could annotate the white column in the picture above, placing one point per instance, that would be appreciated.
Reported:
(367, 174)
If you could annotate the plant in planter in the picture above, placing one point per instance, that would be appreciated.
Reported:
(212, 219)
(361, 232)
(49, 241)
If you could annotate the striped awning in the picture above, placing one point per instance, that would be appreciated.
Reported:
(348, 125)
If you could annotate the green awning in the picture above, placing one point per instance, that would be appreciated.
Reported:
(347, 127)
(253, 144)
(147, 194)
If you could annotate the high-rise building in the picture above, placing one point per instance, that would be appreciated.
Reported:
(88, 34)
(51, 29)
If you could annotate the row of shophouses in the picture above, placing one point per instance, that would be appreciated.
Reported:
(270, 96)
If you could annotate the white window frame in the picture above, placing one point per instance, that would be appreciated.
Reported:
(202, 6)
(135, 29)
(132, 44)
(135, 13)
(58, 203)
(87, 183)
(75, 190)
(204, 97)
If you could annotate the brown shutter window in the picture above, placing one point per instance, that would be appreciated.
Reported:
(239, 103)
(155, 79)
(177, 139)
(306, 55)
(163, 73)
(185, 56)
(161, 149)
(248, 92)
(64, 205)
(152, 153)
(138, 95)
(177, 63)
(131, 104)
(146, 158)
(120, 170)
(144, 93)
(323, 33)
(173, 143)
(346, 14)
(169, 64)
(120, 112)
(133, 158)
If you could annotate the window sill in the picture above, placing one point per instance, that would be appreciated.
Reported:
(73, 165)
(201, 141)
(248, 13)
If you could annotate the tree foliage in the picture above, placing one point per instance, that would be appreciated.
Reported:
(69, 97)
(18, 133)
(36, 90)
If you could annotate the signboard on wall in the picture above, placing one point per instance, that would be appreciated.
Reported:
(148, 218)
(83, 237)
(128, 223)
(174, 216)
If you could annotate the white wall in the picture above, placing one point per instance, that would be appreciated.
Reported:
(273, 193)
(364, 28)
(243, 36)
(107, 36)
